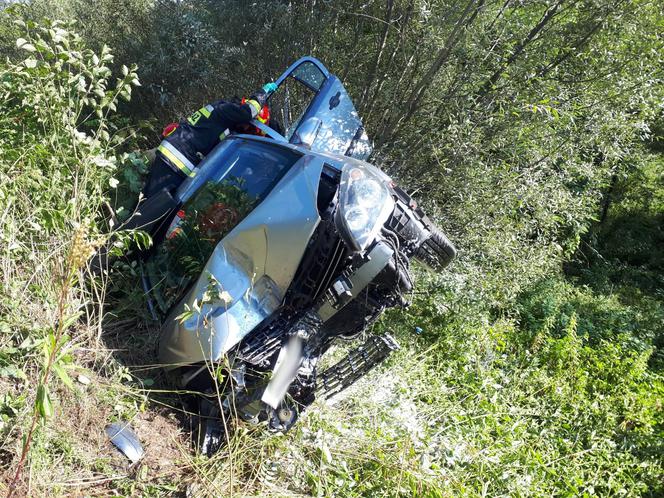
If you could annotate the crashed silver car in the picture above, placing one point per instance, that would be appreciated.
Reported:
(278, 247)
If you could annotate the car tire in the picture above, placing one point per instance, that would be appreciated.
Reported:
(207, 427)
(437, 251)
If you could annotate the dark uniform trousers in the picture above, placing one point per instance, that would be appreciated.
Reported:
(162, 176)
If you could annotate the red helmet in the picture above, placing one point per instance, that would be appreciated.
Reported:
(169, 129)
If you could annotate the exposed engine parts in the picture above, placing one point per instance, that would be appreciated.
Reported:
(335, 294)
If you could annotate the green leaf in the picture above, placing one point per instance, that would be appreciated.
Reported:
(47, 347)
(14, 372)
(184, 316)
(69, 321)
(25, 45)
(30, 343)
(44, 405)
(64, 376)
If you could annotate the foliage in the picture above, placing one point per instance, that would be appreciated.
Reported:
(531, 131)
(203, 221)
(506, 413)
(508, 119)
(56, 160)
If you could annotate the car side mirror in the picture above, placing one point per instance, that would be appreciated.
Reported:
(307, 132)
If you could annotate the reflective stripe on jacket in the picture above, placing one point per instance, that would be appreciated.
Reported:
(197, 135)
(177, 158)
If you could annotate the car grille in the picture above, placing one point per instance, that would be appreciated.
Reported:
(323, 261)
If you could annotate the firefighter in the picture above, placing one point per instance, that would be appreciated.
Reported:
(187, 142)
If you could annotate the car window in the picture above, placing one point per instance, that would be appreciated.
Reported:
(312, 99)
(310, 75)
(239, 182)
(289, 103)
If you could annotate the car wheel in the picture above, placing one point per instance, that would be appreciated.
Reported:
(437, 251)
(208, 428)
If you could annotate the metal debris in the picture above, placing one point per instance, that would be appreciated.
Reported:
(83, 379)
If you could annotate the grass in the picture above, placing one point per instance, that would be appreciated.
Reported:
(459, 417)
(556, 393)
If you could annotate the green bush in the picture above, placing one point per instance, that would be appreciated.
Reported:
(551, 305)
(59, 152)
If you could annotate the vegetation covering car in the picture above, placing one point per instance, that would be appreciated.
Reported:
(533, 129)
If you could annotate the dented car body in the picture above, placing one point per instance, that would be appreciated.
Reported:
(278, 247)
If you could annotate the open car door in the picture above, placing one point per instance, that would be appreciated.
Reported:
(314, 109)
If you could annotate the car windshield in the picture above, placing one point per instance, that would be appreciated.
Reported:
(238, 182)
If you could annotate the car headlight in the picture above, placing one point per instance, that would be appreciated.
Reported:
(365, 204)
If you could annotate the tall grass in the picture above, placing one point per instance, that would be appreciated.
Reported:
(57, 160)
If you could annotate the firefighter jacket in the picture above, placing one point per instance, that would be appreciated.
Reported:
(197, 135)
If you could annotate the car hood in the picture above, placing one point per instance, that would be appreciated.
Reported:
(246, 278)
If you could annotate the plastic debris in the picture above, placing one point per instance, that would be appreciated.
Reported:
(83, 379)
(124, 438)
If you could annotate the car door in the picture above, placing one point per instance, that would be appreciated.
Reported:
(315, 110)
